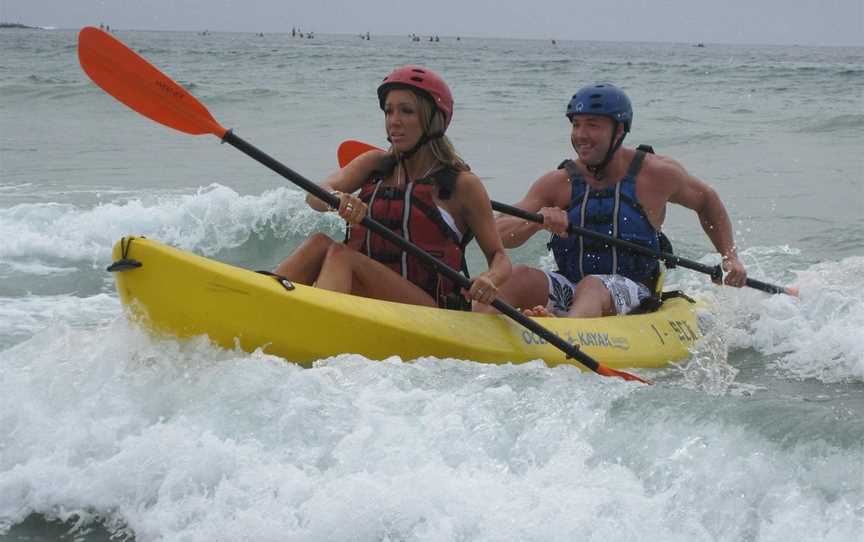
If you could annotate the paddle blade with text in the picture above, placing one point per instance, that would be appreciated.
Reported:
(122, 73)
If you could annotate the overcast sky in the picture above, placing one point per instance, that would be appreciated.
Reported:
(802, 22)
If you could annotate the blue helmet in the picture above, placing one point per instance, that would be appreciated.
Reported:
(603, 99)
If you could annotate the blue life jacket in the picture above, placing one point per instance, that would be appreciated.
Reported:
(615, 212)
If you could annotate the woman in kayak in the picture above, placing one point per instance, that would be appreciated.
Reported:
(420, 189)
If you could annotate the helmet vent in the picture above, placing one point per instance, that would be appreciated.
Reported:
(416, 78)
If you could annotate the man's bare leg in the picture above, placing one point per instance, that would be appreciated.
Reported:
(527, 287)
(591, 299)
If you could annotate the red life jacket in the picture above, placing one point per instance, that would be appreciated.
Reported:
(419, 222)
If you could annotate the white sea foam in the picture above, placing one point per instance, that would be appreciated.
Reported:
(182, 440)
(817, 336)
(212, 219)
(21, 317)
(32, 268)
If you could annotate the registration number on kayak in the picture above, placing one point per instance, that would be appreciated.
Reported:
(684, 331)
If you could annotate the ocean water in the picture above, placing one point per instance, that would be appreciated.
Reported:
(109, 433)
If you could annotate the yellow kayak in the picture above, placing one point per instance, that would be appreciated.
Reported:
(176, 292)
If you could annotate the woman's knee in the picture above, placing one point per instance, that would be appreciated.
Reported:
(320, 241)
(338, 252)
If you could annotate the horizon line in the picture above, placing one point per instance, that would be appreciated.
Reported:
(22, 26)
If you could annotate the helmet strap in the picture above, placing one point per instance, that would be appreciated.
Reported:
(597, 170)
(422, 141)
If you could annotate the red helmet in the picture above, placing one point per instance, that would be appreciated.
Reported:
(424, 80)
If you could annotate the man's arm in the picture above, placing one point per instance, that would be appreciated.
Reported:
(697, 195)
(548, 195)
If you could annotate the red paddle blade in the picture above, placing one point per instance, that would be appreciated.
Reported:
(125, 75)
(351, 149)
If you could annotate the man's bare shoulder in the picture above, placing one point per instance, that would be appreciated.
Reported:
(550, 189)
(663, 170)
(554, 179)
(553, 187)
(659, 164)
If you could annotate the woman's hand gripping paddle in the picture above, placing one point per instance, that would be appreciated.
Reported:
(124, 74)
(351, 149)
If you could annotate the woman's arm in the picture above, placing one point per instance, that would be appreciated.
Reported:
(476, 211)
(348, 179)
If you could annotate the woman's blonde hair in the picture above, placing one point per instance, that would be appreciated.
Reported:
(432, 122)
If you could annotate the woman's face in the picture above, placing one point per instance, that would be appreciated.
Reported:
(402, 119)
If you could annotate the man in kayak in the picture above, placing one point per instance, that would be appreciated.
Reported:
(420, 189)
(614, 191)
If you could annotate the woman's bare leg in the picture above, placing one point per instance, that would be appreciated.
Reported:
(346, 270)
(304, 264)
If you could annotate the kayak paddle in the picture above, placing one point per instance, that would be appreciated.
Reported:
(132, 80)
(351, 149)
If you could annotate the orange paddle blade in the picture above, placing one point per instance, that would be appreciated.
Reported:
(607, 371)
(351, 149)
(125, 75)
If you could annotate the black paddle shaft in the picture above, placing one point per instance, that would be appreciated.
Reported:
(572, 351)
(715, 271)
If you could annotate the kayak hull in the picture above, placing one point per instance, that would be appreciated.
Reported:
(184, 295)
